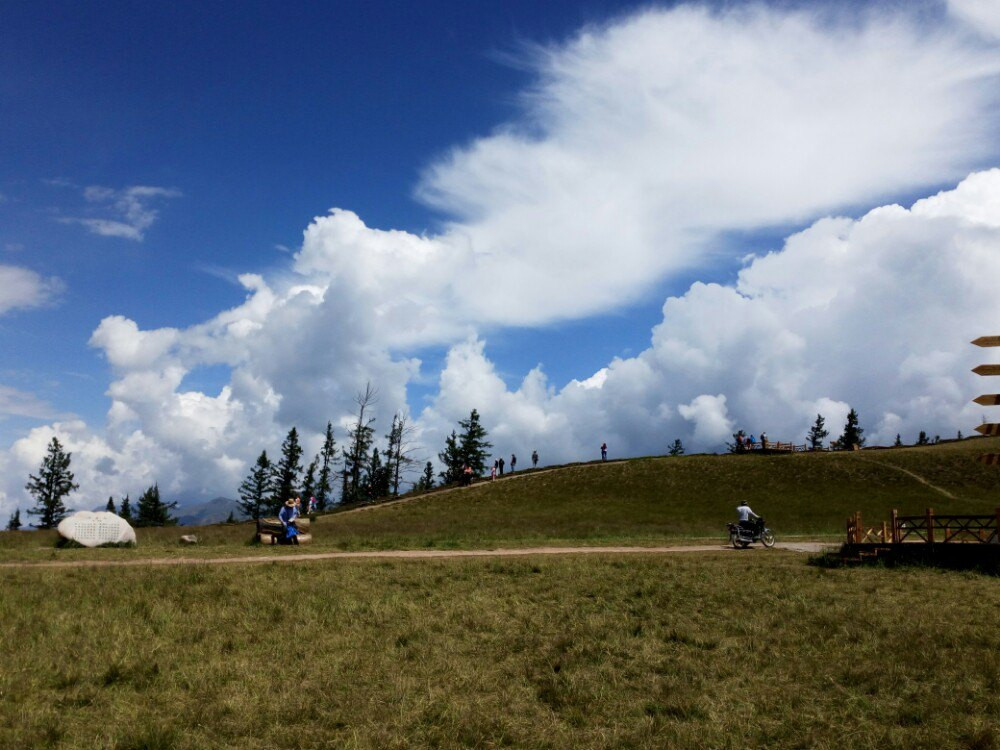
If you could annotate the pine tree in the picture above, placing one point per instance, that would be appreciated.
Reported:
(309, 483)
(356, 456)
(286, 471)
(14, 524)
(152, 511)
(922, 439)
(375, 483)
(125, 510)
(452, 459)
(426, 481)
(677, 449)
(899, 441)
(327, 460)
(473, 445)
(817, 433)
(397, 458)
(257, 487)
(231, 518)
(959, 435)
(53, 483)
(110, 507)
(852, 433)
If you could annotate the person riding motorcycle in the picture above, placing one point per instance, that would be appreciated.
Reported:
(745, 515)
(749, 529)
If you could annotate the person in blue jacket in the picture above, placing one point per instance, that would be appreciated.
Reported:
(287, 515)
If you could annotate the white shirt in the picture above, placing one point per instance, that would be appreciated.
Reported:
(745, 512)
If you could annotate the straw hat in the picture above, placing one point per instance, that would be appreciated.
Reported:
(290, 503)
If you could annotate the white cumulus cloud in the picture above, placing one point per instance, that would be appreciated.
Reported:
(22, 288)
(875, 313)
(642, 145)
(983, 16)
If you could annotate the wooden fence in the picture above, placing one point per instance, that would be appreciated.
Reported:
(776, 446)
(930, 528)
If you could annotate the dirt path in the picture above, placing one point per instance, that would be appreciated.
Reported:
(415, 554)
(912, 474)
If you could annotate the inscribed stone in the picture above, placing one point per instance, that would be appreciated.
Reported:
(94, 529)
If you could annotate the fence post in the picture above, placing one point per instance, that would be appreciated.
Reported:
(885, 532)
(895, 526)
(930, 525)
(859, 528)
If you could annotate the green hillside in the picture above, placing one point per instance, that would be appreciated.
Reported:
(659, 499)
(638, 501)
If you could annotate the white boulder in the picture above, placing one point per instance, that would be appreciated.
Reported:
(94, 529)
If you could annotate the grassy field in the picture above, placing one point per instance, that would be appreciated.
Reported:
(753, 649)
(638, 502)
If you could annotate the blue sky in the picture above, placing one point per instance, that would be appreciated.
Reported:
(262, 117)
(154, 152)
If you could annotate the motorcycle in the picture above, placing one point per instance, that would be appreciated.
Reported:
(741, 537)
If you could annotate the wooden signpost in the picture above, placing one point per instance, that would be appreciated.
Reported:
(988, 399)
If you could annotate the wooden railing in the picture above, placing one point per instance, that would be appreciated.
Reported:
(776, 446)
(930, 528)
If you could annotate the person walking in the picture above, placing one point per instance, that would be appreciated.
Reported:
(493, 471)
(513, 462)
(534, 459)
(501, 465)
(604, 451)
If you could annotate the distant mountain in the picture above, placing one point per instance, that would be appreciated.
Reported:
(216, 510)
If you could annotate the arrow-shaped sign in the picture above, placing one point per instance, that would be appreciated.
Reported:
(988, 399)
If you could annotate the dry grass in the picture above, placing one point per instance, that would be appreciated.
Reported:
(727, 650)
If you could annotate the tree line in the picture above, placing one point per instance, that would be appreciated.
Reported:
(54, 481)
(365, 471)
(850, 438)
